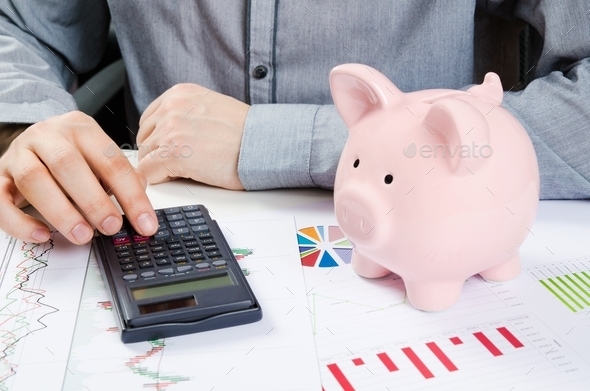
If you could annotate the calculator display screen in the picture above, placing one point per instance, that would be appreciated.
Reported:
(141, 293)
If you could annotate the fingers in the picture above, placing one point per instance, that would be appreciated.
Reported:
(69, 168)
(120, 179)
(36, 184)
(61, 167)
(16, 223)
(158, 169)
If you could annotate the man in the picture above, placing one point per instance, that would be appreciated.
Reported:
(244, 86)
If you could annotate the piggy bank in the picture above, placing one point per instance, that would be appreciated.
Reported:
(433, 185)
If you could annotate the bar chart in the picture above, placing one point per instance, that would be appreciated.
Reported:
(567, 281)
(520, 348)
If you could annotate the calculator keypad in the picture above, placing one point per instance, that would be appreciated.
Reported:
(183, 243)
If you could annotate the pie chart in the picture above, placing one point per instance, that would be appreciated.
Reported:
(323, 246)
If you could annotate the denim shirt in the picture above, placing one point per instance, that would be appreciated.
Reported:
(276, 56)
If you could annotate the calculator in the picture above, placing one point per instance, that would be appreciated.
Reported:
(184, 279)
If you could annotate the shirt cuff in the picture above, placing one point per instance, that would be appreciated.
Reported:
(276, 146)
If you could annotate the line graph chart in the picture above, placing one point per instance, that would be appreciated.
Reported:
(34, 302)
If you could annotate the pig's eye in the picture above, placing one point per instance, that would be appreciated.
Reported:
(388, 179)
(356, 163)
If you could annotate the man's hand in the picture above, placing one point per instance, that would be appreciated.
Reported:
(192, 132)
(66, 167)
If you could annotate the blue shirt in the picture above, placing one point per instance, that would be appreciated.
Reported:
(293, 135)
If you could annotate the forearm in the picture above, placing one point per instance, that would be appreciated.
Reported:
(8, 132)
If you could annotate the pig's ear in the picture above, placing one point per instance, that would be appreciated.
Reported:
(464, 133)
(490, 90)
(358, 89)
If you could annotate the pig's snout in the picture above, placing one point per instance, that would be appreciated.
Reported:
(355, 219)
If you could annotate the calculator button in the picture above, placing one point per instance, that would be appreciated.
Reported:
(160, 219)
(123, 254)
(174, 246)
(210, 247)
(161, 254)
(161, 226)
(145, 264)
(213, 253)
(180, 231)
(190, 215)
(191, 250)
(172, 240)
(158, 248)
(140, 251)
(169, 211)
(125, 260)
(177, 224)
(124, 247)
(120, 240)
(138, 245)
(130, 277)
(196, 221)
(204, 235)
(176, 252)
(199, 228)
(219, 263)
(128, 266)
(144, 257)
(161, 234)
(182, 269)
(163, 261)
(148, 274)
(208, 241)
(197, 256)
(140, 238)
(121, 233)
(156, 242)
(166, 271)
(192, 243)
(174, 217)
(180, 259)
(203, 265)
(188, 208)
(187, 238)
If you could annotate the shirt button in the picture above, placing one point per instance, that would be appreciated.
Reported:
(260, 72)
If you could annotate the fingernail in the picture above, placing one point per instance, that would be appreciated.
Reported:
(40, 235)
(110, 225)
(82, 233)
(146, 224)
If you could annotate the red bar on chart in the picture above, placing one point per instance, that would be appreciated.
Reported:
(357, 361)
(391, 367)
(441, 356)
(342, 380)
(418, 363)
(456, 341)
(510, 337)
(487, 343)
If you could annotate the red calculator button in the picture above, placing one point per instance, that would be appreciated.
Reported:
(139, 238)
(121, 240)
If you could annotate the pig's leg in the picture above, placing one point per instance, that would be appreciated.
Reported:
(365, 267)
(503, 272)
(433, 296)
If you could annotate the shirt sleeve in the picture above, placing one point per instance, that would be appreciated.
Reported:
(291, 145)
(43, 44)
(555, 107)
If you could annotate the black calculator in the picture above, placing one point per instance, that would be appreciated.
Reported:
(184, 279)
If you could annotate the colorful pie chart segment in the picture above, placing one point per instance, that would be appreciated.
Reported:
(323, 246)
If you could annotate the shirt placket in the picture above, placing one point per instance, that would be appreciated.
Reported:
(260, 50)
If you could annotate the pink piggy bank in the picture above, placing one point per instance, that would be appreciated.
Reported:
(433, 185)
